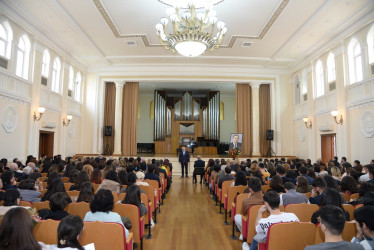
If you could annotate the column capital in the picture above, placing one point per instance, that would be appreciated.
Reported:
(120, 84)
(255, 84)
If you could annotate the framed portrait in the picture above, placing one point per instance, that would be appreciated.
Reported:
(236, 140)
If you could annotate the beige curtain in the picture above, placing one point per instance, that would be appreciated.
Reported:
(130, 118)
(244, 116)
(265, 112)
(109, 110)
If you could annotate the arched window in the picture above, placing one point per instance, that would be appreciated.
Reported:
(56, 75)
(6, 37)
(320, 82)
(78, 85)
(355, 61)
(331, 75)
(23, 57)
(370, 41)
(45, 63)
(304, 88)
(71, 79)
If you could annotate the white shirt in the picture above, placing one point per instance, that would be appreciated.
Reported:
(54, 247)
(365, 177)
(265, 223)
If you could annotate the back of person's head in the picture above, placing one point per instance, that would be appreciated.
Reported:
(6, 177)
(86, 193)
(112, 175)
(68, 232)
(331, 197)
(289, 186)
(330, 182)
(122, 177)
(227, 170)
(102, 202)
(82, 177)
(27, 184)
(131, 178)
(303, 170)
(369, 199)
(16, 230)
(132, 195)
(140, 175)
(11, 196)
(59, 201)
(348, 183)
(333, 218)
(273, 199)
(365, 187)
(258, 174)
(240, 179)
(151, 168)
(281, 170)
(34, 176)
(51, 177)
(365, 215)
(217, 168)
(255, 184)
(319, 182)
(96, 176)
(276, 182)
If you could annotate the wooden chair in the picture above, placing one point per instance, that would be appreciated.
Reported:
(42, 193)
(152, 197)
(350, 209)
(148, 217)
(65, 179)
(95, 187)
(265, 188)
(44, 174)
(345, 196)
(309, 194)
(354, 196)
(133, 213)
(349, 231)
(43, 178)
(155, 185)
(78, 208)
(106, 235)
(74, 193)
(115, 197)
(297, 235)
(236, 208)
(121, 196)
(67, 185)
(225, 187)
(45, 184)
(359, 205)
(41, 205)
(230, 196)
(46, 231)
(25, 204)
(303, 211)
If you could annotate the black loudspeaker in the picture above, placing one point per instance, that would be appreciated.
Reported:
(108, 130)
(269, 135)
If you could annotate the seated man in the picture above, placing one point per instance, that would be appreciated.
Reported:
(226, 177)
(271, 200)
(365, 226)
(332, 221)
(291, 196)
(255, 197)
(319, 186)
(199, 166)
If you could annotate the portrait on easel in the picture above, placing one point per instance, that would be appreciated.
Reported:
(236, 140)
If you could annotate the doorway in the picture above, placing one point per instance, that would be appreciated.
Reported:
(328, 147)
(46, 143)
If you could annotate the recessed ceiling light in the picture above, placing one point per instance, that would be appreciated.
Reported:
(131, 43)
(246, 44)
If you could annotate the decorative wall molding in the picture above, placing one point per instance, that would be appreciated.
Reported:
(300, 111)
(325, 103)
(72, 129)
(367, 124)
(14, 87)
(9, 118)
(50, 99)
(74, 108)
(302, 131)
(360, 93)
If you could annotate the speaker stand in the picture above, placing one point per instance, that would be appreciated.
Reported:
(270, 151)
(107, 149)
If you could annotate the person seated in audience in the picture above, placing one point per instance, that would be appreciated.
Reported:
(111, 182)
(271, 200)
(101, 209)
(96, 176)
(336, 174)
(240, 179)
(276, 184)
(12, 198)
(26, 172)
(81, 177)
(9, 181)
(15, 169)
(218, 173)
(88, 169)
(56, 186)
(281, 172)
(255, 197)
(140, 179)
(365, 227)
(122, 177)
(87, 192)
(371, 175)
(330, 182)
(265, 173)
(302, 185)
(352, 172)
(304, 172)
(226, 177)
(57, 205)
(366, 176)
(291, 196)
(133, 197)
(319, 186)
(348, 185)
(198, 169)
(16, 230)
(150, 175)
(38, 183)
(369, 199)
(28, 192)
(332, 222)
(331, 196)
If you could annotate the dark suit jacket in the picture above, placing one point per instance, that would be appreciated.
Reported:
(184, 158)
(226, 177)
(239, 146)
(199, 167)
(152, 176)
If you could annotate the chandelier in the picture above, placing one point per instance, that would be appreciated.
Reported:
(193, 28)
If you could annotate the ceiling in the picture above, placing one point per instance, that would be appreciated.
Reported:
(96, 33)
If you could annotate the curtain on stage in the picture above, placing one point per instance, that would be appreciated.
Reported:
(244, 116)
(265, 112)
(130, 118)
(109, 113)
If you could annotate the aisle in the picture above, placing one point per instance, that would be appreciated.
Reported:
(190, 220)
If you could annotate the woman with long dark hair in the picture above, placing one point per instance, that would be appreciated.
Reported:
(81, 177)
(240, 179)
(133, 197)
(87, 192)
(348, 185)
(276, 184)
(302, 185)
(55, 187)
(96, 176)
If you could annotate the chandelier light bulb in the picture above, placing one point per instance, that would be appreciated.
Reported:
(164, 21)
(213, 19)
(186, 15)
(220, 25)
(224, 30)
(159, 27)
(201, 16)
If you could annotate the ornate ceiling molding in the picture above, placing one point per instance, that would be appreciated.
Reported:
(232, 40)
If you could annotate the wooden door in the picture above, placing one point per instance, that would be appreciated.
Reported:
(46, 139)
(328, 147)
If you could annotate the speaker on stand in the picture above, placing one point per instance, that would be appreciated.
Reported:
(270, 137)
(107, 133)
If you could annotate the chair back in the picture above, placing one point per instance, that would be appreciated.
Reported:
(121, 196)
(349, 231)
(303, 211)
(46, 231)
(65, 179)
(345, 196)
(154, 184)
(25, 204)
(112, 236)
(78, 208)
(115, 197)
(309, 194)
(151, 195)
(354, 196)
(350, 209)
(148, 204)
(41, 205)
(298, 235)
(265, 188)
(68, 185)
(231, 194)
(74, 193)
(225, 188)
(133, 213)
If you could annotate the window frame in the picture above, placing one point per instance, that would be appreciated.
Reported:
(356, 72)
(23, 67)
(8, 39)
(46, 64)
(320, 79)
(56, 73)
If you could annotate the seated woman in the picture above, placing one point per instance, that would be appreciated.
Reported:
(12, 198)
(111, 182)
(57, 204)
(302, 185)
(87, 192)
(130, 179)
(56, 186)
(28, 192)
(81, 177)
(133, 197)
(9, 181)
(348, 185)
(16, 230)
(276, 184)
(240, 179)
(38, 183)
(140, 179)
(96, 176)
(101, 209)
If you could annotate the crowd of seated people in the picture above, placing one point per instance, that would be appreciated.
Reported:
(45, 181)
(297, 181)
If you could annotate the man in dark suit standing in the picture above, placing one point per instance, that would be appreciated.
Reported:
(184, 159)
(235, 143)
(198, 169)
